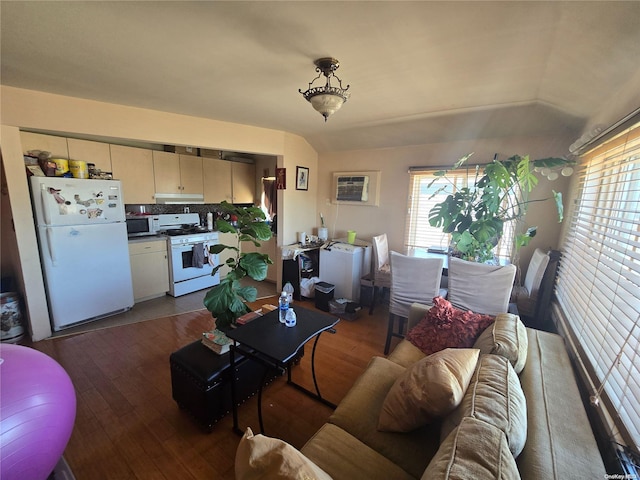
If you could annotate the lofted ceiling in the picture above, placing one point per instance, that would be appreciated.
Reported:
(420, 72)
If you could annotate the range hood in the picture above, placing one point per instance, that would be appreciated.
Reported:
(179, 198)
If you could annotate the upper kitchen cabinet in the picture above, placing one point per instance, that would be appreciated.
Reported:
(217, 180)
(174, 173)
(97, 153)
(134, 167)
(191, 174)
(57, 146)
(243, 177)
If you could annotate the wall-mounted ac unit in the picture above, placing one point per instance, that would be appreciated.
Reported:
(353, 188)
(356, 188)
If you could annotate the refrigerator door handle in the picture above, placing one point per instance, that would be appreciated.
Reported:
(45, 206)
(51, 250)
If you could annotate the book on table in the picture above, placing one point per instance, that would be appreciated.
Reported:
(216, 341)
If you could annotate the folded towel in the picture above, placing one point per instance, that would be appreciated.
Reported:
(211, 258)
(197, 257)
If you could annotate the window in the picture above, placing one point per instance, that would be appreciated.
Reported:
(418, 233)
(598, 288)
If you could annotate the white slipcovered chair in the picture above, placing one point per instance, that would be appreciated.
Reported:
(381, 275)
(413, 279)
(480, 287)
(526, 296)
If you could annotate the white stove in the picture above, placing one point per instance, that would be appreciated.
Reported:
(190, 263)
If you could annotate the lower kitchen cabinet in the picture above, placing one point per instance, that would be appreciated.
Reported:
(149, 269)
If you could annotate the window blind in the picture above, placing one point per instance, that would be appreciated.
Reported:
(598, 286)
(422, 198)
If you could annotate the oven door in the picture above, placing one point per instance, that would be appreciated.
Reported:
(182, 261)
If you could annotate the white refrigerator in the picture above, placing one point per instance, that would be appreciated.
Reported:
(84, 252)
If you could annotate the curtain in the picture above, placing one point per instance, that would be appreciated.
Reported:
(270, 196)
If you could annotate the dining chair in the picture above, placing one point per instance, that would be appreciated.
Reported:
(413, 279)
(381, 275)
(480, 287)
(527, 296)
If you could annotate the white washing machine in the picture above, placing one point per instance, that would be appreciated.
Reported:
(341, 264)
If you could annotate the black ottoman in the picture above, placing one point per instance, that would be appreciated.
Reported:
(201, 382)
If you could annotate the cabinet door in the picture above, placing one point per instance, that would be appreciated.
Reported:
(244, 182)
(97, 153)
(166, 172)
(149, 270)
(191, 174)
(57, 146)
(134, 167)
(216, 174)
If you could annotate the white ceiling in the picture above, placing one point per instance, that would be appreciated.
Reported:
(420, 72)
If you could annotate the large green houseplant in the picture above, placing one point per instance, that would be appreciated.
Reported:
(226, 301)
(475, 213)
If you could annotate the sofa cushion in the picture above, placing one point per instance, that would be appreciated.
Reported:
(406, 354)
(260, 457)
(359, 411)
(507, 336)
(496, 397)
(429, 389)
(560, 442)
(475, 450)
(445, 326)
(345, 457)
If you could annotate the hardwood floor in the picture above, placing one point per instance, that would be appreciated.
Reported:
(128, 426)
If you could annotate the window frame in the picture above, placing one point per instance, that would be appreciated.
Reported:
(419, 204)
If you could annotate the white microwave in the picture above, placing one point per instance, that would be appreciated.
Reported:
(142, 225)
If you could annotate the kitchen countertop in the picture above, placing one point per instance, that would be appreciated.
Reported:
(148, 238)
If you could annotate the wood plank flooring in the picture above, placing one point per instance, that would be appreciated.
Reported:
(129, 427)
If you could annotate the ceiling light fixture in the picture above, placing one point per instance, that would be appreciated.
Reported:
(326, 99)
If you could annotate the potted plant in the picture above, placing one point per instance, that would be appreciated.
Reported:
(226, 301)
(474, 214)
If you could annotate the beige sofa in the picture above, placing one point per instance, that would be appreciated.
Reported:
(559, 443)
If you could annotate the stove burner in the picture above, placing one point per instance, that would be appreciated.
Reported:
(185, 231)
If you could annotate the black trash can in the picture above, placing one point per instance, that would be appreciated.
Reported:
(324, 293)
(366, 290)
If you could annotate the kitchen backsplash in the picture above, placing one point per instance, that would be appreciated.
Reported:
(199, 208)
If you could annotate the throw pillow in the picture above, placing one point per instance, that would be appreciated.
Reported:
(506, 337)
(445, 326)
(473, 450)
(427, 390)
(496, 397)
(261, 457)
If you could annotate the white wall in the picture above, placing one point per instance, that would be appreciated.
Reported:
(27, 109)
(390, 216)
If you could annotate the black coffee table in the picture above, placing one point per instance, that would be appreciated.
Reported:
(275, 345)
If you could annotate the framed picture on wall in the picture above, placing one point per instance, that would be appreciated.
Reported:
(302, 178)
(281, 178)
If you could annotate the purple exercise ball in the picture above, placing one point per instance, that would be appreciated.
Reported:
(37, 412)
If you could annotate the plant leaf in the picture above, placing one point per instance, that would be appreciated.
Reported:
(219, 247)
(254, 264)
(225, 227)
(558, 199)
